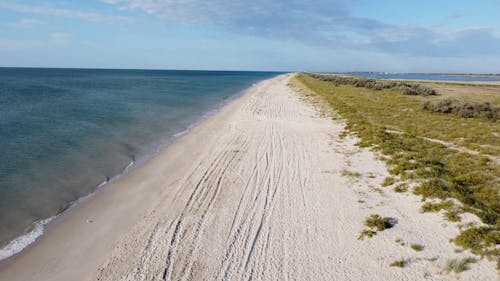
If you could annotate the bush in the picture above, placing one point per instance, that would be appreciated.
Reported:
(376, 221)
(464, 109)
(377, 84)
(478, 238)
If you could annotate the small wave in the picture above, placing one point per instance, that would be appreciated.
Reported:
(126, 168)
(179, 134)
(17, 245)
(101, 184)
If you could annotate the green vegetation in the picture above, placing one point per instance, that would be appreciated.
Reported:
(399, 263)
(482, 241)
(375, 84)
(376, 222)
(351, 174)
(367, 233)
(388, 181)
(396, 125)
(459, 265)
(464, 108)
(436, 207)
(381, 224)
(417, 247)
(401, 188)
(452, 215)
(478, 238)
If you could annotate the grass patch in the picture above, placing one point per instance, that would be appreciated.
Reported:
(401, 188)
(388, 181)
(484, 241)
(399, 263)
(417, 247)
(436, 207)
(459, 265)
(366, 233)
(376, 223)
(453, 215)
(381, 224)
(351, 174)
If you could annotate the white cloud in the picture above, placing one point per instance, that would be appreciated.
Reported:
(26, 23)
(320, 21)
(74, 14)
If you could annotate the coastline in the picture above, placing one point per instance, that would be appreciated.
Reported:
(264, 188)
(27, 239)
(47, 226)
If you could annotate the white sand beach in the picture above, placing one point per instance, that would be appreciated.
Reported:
(266, 189)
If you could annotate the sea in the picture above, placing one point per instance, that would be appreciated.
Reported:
(428, 76)
(65, 133)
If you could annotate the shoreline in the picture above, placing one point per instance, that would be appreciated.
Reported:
(24, 240)
(41, 227)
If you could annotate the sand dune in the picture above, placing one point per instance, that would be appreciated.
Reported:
(264, 190)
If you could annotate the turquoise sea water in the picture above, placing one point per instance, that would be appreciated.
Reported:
(63, 132)
(425, 76)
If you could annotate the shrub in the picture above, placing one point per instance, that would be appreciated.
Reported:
(376, 221)
(478, 238)
(377, 84)
(464, 109)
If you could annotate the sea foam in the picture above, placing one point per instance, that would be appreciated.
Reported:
(17, 245)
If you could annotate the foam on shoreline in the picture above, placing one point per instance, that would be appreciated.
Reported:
(21, 242)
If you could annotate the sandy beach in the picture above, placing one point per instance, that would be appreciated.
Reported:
(265, 189)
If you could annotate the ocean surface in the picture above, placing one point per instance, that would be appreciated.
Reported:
(65, 132)
(424, 76)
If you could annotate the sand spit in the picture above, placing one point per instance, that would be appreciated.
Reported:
(264, 190)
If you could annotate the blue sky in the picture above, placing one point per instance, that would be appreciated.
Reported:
(301, 35)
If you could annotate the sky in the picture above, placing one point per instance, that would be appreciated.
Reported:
(459, 36)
